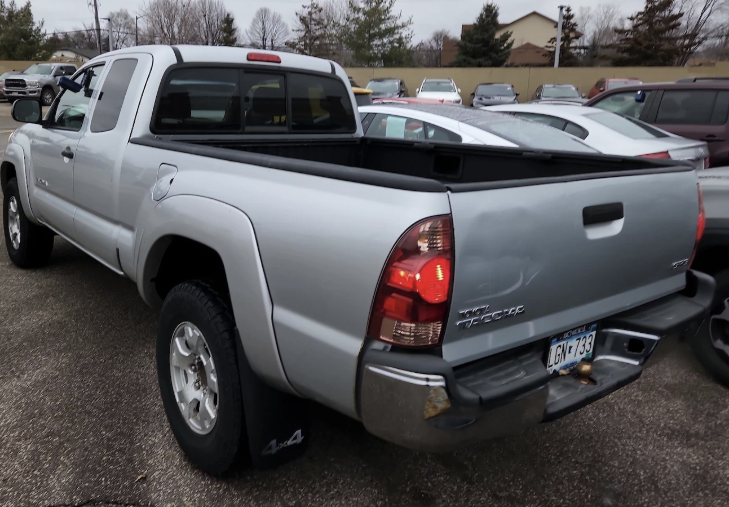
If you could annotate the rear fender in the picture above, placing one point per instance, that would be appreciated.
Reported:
(229, 232)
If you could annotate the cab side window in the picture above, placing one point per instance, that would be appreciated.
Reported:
(111, 99)
(72, 107)
(623, 103)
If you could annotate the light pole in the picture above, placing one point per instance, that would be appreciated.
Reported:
(559, 36)
(111, 34)
(136, 28)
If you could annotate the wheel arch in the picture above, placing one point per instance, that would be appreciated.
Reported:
(13, 165)
(216, 239)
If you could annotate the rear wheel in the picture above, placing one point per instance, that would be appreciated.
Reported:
(47, 96)
(28, 245)
(197, 369)
(711, 343)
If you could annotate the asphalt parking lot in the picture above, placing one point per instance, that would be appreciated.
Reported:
(81, 424)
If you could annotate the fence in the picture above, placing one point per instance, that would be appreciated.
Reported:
(527, 79)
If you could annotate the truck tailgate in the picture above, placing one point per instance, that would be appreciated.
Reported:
(532, 261)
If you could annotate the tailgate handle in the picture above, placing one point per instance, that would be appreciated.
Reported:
(601, 213)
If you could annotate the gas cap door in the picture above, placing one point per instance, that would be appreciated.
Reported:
(165, 175)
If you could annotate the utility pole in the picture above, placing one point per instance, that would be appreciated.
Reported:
(136, 28)
(98, 27)
(111, 33)
(559, 37)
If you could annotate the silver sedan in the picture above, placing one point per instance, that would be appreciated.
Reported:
(612, 133)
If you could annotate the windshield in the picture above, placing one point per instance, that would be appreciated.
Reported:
(560, 92)
(389, 86)
(39, 68)
(630, 127)
(612, 84)
(528, 134)
(495, 90)
(437, 86)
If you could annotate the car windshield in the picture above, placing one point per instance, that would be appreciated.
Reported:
(389, 86)
(619, 83)
(495, 90)
(39, 68)
(528, 134)
(560, 92)
(437, 86)
(630, 127)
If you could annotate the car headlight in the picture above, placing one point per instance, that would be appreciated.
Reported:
(32, 84)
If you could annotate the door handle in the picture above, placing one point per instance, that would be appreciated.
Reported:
(602, 213)
(712, 139)
(67, 153)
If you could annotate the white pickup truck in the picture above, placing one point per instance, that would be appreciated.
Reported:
(440, 293)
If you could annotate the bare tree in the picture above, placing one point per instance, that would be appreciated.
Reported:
(122, 26)
(428, 53)
(696, 26)
(170, 22)
(268, 30)
(210, 18)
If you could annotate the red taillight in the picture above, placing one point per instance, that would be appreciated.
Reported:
(411, 303)
(263, 57)
(706, 162)
(663, 154)
(701, 225)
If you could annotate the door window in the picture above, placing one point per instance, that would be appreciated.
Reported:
(624, 103)
(686, 107)
(397, 127)
(111, 99)
(72, 107)
(576, 130)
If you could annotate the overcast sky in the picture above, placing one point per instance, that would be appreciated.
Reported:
(428, 15)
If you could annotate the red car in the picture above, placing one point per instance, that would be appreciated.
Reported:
(610, 83)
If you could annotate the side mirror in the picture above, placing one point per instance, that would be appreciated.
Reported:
(517, 94)
(584, 95)
(26, 111)
(69, 85)
(57, 72)
(640, 96)
(473, 94)
(417, 90)
(459, 90)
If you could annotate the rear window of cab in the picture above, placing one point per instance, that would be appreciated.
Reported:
(230, 100)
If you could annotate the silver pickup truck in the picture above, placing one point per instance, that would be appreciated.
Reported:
(439, 293)
(39, 81)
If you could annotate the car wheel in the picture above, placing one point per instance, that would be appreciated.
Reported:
(28, 245)
(197, 369)
(47, 96)
(711, 343)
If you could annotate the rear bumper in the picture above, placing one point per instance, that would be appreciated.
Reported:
(419, 401)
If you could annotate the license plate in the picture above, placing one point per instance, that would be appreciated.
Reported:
(569, 348)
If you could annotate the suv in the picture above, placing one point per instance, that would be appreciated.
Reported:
(611, 84)
(39, 81)
(697, 110)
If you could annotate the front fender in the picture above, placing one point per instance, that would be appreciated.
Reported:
(229, 232)
(15, 155)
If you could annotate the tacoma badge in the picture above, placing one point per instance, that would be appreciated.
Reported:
(481, 315)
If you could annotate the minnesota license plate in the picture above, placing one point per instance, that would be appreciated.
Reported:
(569, 348)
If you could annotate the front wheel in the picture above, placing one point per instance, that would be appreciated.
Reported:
(711, 343)
(28, 245)
(47, 96)
(197, 369)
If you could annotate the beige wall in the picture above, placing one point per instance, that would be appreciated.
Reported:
(526, 79)
(9, 65)
(534, 29)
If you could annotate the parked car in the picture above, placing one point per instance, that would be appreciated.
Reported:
(362, 96)
(695, 110)
(438, 292)
(612, 133)
(459, 124)
(39, 81)
(387, 87)
(558, 92)
(605, 84)
(445, 89)
(487, 94)
(2, 83)
(711, 343)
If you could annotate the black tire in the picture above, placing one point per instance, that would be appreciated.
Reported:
(714, 360)
(198, 303)
(47, 96)
(36, 242)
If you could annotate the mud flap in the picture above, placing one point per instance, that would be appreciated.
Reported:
(277, 423)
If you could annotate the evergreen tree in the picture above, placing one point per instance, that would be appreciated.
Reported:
(479, 46)
(567, 57)
(230, 32)
(652, 37)
(21, 38)
(311, 31)
(376, 36)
